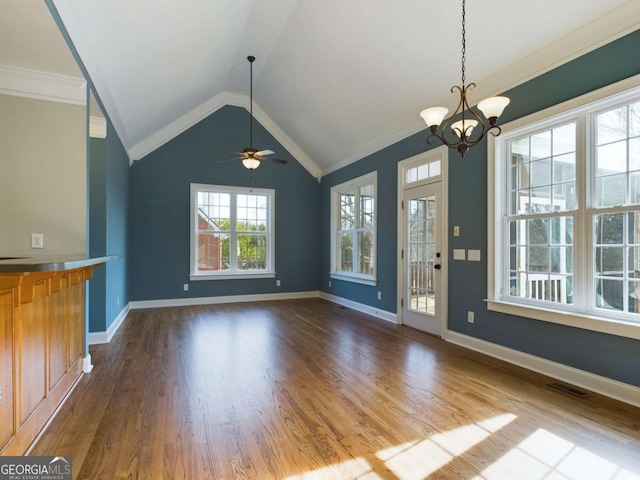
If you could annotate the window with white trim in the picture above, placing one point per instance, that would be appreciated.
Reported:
(231, 232)
(567, 214)
(353, 227)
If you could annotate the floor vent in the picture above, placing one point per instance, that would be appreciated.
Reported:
(569, 389)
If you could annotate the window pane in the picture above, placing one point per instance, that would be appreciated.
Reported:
(366, 207)
(345, 247)
(347, 211)
(412, 175)
(564, 196)
(564, 139)
(540, 200)
(564, 168)
(213, 252)
(611, 126)
(611, 190)
(434, 168)
(520, 151)
(609, 261)
(538, 231)
(541, 145)
(541, 172)
(252, 252)
(423, 171)
(609, 229)
(252, 213)
(365, 253)
(609, 294)
(611, 158)
(634, 120)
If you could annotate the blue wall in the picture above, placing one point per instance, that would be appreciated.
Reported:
(97, 232)
(607, 355)
(160, 203)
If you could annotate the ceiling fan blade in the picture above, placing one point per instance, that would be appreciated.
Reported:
(275, 160)
(262, 153)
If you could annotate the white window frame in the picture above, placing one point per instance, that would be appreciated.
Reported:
(348, 187)
(233, 273)
(580, 314)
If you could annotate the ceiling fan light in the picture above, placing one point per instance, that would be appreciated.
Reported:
(250, 163)
(493, 107)
(465, 126)
(433, 116)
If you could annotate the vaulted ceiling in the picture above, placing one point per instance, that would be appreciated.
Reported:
(334, 80)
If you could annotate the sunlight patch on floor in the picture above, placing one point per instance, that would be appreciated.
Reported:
(356, 469)
(545, 456)
(416, 460)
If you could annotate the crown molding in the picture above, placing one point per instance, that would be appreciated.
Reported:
(22, 82)
(97, 127)
(186, 121)
(603, 30)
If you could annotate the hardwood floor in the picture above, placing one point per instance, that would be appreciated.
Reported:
(306, 389)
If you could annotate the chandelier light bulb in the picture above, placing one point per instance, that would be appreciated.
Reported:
(493, 107)
(464, 126)
(433, 116)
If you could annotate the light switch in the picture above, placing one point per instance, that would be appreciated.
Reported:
(459, 254)
(474, 255)
(456, 232)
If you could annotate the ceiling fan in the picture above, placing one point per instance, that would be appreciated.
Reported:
(251, 156)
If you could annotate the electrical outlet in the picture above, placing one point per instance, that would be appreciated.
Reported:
(471, 317)
(456, 231)
(329, 283)
(185, 287)
(379, 295)
(37, 240)
(277, 283)
(118, 300)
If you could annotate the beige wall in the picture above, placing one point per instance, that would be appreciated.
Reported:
(42, 176)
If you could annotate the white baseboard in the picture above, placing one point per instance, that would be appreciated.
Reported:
(595, 383)
(361, 307)
(183, 302)
(96, 338)
(87, 366)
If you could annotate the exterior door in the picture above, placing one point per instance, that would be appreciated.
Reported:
(422, 258)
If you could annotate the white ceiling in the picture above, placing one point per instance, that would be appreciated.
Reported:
(334, 80)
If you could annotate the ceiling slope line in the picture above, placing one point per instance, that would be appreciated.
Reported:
(603, 30)
(215, 103)
(77, 31)
(52, 87)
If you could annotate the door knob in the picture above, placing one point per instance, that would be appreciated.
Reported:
(437, 266)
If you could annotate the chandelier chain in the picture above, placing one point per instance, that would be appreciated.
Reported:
(464, 46)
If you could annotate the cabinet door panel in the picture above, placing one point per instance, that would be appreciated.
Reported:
(7, 298)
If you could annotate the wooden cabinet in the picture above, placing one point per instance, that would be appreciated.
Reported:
(42, 330)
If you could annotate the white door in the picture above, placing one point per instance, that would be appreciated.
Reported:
(422, 258)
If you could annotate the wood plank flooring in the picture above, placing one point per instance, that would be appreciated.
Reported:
(306, 389)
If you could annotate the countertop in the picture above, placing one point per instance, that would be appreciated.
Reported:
(53, 263)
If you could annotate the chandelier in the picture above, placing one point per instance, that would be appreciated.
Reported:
(461, 139)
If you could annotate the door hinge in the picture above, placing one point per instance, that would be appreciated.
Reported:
(402, 204)
(402, 253)
(402, 302)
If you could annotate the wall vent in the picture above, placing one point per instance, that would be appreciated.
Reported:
(569, 389)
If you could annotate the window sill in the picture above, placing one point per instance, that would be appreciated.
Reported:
(231, 276)
(355, 279)
(573, 319)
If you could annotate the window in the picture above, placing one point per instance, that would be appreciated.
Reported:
(567, 215)
(231, 232)
(353, 220)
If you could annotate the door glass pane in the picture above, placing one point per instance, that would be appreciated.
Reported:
(421, 248)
